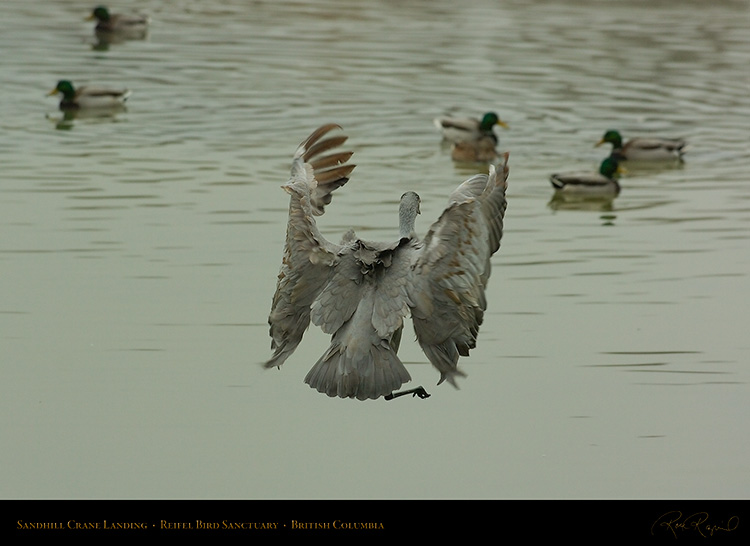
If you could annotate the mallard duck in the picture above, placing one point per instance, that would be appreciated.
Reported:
(361, 292)
(590, 183)
(468, 129)
(643, 149)
(89, 96)
(116, 22)
(475, 151)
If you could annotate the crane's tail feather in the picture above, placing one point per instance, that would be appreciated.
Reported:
(352, 374)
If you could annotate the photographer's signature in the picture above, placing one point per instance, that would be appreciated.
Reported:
(698, 522)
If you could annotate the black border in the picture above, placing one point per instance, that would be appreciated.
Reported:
(600, 521)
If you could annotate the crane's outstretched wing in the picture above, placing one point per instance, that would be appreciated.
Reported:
(308, 256)
(450, 275)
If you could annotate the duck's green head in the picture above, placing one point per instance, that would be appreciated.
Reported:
(610, 167)
(489, 120)
(64, 87)
(613, 137)
(100, 13)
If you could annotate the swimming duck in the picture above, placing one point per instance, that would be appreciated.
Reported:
(115, 22)
(89, 96)
(463, 129)
(639, 149)
(590, 183)
(475, 151)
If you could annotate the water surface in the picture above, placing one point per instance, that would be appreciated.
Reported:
(139, 251)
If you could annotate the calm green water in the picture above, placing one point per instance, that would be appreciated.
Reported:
(139, 253)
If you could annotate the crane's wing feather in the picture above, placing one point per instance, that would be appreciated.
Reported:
(450, 275)
(308, 256)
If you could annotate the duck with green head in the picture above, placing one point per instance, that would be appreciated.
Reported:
(603, 182)
(643, 149)
(117, 22)
(469, 129)
(89, 97)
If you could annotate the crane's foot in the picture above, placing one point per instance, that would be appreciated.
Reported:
(418, 391)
